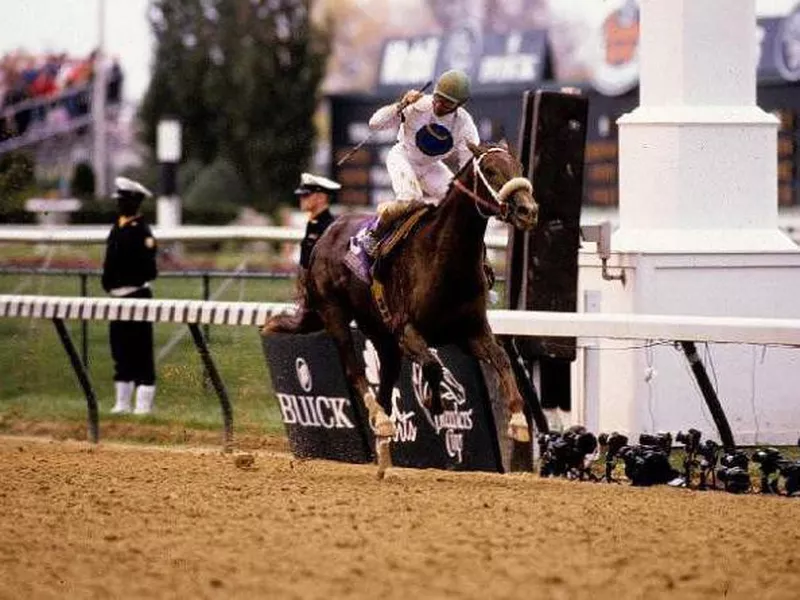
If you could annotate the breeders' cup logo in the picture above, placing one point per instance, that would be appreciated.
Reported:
(303, 374)
(454, 419)
(787, 46)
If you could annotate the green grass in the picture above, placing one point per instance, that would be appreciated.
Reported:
(39, 385)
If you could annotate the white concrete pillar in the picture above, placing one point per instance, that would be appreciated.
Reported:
(698, 229)
(698, 158)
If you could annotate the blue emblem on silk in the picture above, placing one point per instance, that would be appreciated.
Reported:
(434, 139)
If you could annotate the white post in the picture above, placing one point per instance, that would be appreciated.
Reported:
(99, 146)
(698, 157)
(590, 416)
(168, 151)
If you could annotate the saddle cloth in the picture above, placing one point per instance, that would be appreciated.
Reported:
(356, 259)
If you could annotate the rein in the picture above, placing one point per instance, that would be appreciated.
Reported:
(497, 206)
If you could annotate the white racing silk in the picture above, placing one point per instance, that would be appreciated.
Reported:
(414, 174)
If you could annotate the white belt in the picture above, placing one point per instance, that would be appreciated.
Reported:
(121, 292)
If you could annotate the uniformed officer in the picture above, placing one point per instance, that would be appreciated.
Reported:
(128, 269)
(314, 192)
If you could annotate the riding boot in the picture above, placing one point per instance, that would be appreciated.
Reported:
(373, 238)
(144, 399)
(388, 214)
(124, 392)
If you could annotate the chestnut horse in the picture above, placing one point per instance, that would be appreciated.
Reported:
(435, 289)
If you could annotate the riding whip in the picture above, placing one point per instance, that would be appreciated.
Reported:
(358, 146)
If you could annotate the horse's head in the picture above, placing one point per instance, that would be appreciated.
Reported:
(499, 189)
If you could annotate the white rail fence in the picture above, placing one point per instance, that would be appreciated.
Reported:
(496, 237)
(584, 326)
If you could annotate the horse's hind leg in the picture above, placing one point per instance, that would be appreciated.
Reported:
(415, 345)
(486, 348)
(390, 359)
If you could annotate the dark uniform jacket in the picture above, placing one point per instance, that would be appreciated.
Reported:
(130, 255)
(314, 229)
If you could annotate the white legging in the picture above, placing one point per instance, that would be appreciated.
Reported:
(410, 182)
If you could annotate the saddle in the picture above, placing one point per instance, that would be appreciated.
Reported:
(369, 271)
(400, 231)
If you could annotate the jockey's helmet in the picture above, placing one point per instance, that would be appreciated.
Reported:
(453, 85)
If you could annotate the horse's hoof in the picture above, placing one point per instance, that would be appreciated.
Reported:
(383, 427)
(518, 428)
(383, 455)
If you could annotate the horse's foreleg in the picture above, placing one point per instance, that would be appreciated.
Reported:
(416, 347)
(338, 326)
(486, 348)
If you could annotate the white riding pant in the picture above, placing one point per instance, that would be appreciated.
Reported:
(416, 182)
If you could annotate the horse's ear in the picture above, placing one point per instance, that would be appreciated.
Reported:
(504, 145)
(474, 149)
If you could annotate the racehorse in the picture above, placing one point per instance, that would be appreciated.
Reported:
(436, 290)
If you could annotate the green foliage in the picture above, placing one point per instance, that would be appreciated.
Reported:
(188, 172)
(218, 184)
(17, 178)
(242, 76)
(83, 184)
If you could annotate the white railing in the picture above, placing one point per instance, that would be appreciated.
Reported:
(96, 234)
(496, 235)
(742, 330)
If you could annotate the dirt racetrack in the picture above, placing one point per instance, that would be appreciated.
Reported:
(117, 521)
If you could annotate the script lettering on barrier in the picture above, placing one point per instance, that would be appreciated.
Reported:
(405, 428)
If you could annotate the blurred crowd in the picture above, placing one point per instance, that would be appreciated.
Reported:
(47, 91)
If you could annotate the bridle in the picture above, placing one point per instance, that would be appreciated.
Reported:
(497, 205)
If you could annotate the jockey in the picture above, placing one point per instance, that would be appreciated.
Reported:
(430, 129)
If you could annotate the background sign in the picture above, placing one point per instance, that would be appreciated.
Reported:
(494, 62)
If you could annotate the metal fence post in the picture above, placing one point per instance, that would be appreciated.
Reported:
(206, 296)
(84, 323)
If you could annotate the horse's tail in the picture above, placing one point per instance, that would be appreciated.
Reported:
(304, 320)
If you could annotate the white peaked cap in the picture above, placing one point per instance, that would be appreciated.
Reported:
(123, 185)
(316, 183)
